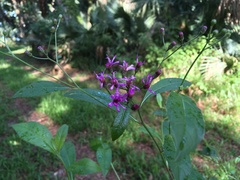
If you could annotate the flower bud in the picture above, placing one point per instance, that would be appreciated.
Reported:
(53, 29)
(40, 48)
(181, 36)
(60, 16)
(157, 73)
(213, 22)
(223, 32)
(135, 107)
(203, 29)
(28, 53)
(171, 45)
(138, 65)
(162, 31)
(215, 32)
(55, 21)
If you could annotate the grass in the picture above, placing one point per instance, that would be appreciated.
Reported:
(133, 155)
(78, 115)
(18, 159)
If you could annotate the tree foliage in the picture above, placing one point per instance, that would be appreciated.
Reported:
(92, 28)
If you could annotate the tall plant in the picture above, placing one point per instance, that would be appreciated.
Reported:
(181, 129)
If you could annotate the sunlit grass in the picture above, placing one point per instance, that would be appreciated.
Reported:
(18, 159)
(14, 75)
(20, 50)
(130, 160)
(4, 65)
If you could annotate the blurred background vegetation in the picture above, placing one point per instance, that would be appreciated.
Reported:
(90, 29)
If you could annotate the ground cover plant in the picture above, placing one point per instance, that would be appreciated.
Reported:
(173, 144)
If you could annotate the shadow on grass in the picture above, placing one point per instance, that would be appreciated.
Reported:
(80, 116)
(18, 159)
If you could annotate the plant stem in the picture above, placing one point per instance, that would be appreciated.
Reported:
(182, 45)
(68, 76)
(209, 37)
(49, 42)
(158, 147)
(115, 171)
(69, 174)
(10, 53)
(165, 58)
(195, 60)
(55, 38)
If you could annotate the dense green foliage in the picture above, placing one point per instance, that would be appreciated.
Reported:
(92, 29)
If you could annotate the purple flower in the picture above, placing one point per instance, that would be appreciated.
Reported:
(135, 107)
(114, 81)
(131, 92)
(40, 48)
(203, 29)
(111, 62)
(129, 82)
(101, 78)
(138, 64)
(28, 53)
(147, 80)
(125, 66)
(117, 99)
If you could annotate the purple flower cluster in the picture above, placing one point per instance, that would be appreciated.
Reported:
(119, 79)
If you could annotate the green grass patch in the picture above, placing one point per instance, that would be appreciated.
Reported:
(18, 159)
(14, 76)
(134, 155)
(77, 114)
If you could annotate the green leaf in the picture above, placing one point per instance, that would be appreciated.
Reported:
(152, 131)
(169, 147)
(184, 170)
(96, 143)
(60, 137)
(195, 175)
(39, 88)
(167, 84)
(120, 123)
(68, 154)
(177, 117)
(104, 158)
(159, 100)
(186, 123)
(195, 129)
(102, 97)
(35, 133)
(160, 112)
(84, 166)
